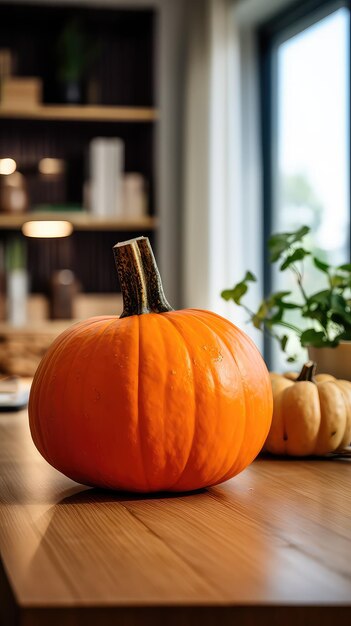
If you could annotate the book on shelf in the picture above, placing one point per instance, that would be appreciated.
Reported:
(18, 92)
(134, 196)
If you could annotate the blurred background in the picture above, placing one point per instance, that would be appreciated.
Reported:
(205, 125)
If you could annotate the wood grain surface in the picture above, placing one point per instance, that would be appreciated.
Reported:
(272, 546)
(81, 220)
(84, 113)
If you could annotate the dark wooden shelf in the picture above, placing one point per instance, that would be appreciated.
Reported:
(81, 220)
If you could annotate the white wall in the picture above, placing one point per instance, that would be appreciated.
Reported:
(223, 213)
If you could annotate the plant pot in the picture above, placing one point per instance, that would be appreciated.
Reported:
(72, 92)
(334, 361)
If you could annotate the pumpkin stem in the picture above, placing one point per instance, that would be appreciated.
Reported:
(308, 371)
(139, 278)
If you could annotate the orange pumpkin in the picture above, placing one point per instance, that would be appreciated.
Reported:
(154, 400)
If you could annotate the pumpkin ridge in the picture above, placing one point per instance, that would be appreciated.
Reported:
(34, 408)
(320, 386)
(346, 440)
(218, 336)
(97, 345)
(301, 411)
(229, 472)
(159, 346)
(42, 398)
(172, 322)
(244, 342)
(72, 362)
(139, 422)
(58, 347)
(33, 405)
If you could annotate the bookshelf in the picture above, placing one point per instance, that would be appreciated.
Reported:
(125, 107)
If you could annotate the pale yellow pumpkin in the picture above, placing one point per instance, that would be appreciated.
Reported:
(311, 414)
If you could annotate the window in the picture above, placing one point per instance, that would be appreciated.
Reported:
(306, 147)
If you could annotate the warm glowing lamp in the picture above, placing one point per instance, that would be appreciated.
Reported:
(51, 167)
(47, 229)
(7, 166)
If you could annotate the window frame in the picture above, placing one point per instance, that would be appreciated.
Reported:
(293, 20)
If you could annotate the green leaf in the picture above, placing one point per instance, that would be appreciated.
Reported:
(236, 293)
(226, 294)
(239, 290)
(340, 306)
(262, 309)
(317, 314)
(260, 315)
(338, 303)
(324, 267)
(257, 322)
(278, 238)
(330, 343)
(281, 242)
(312, 337)
(277, 316)
(283, 342)
(345, 268)
(344, 336)
(340, 321)
(321, 298)
(291, 305)
(338, 281)
(277, 297)
(300, 234)
(298, 255)
(250, 277)
(277, 244)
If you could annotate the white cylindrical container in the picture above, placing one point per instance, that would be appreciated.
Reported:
(17, 292)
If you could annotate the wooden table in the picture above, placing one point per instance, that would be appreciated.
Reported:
(272, 546)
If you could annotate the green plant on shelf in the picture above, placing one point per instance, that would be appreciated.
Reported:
(15, 254)
(75, 51)
(326, 313)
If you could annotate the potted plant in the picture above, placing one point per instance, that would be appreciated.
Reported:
(75, 53)
(324, 316)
